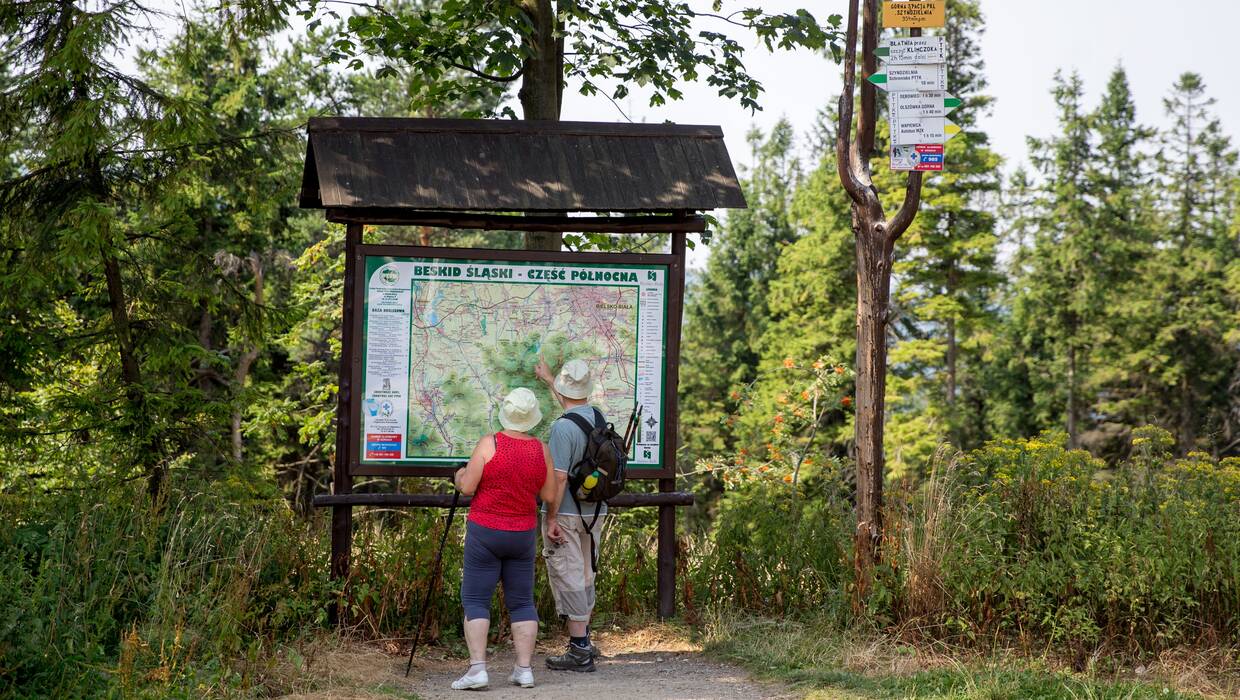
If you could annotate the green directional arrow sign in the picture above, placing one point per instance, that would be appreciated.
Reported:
(916, 105)
(919, 77)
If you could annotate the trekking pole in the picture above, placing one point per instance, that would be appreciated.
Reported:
(417, 637)
(636, 421)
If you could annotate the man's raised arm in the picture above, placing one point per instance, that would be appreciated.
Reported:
(543, 372)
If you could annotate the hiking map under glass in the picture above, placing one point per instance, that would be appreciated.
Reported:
(445, 339)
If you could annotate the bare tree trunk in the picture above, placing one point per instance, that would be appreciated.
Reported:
(1071, 409)
(131, 373)
(542, 86)
(952, 351)
(873, 302)
(1188, 427)
(953, 284)
(246, 361)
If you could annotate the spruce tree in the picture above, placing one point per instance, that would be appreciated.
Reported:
(812, 302)
(727, 311)
(78, 226)
(1123, 221)
(1060, 290)
(1191, 361)
(1013, 356)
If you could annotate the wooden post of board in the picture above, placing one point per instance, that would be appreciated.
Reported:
(342, 480)
(667, 514)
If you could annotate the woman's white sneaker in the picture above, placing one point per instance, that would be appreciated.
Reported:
(523, 677)
(472, 681)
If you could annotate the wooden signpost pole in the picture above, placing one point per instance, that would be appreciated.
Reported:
(875, 236)
(342, 479)
(667, 513)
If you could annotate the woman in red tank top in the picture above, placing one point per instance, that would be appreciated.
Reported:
(505, 475)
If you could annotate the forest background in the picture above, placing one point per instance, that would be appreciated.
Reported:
(1063, 409)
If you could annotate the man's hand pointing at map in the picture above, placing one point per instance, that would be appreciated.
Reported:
(543, 372)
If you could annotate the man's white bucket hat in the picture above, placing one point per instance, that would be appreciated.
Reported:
(574, 380)
(520, 411)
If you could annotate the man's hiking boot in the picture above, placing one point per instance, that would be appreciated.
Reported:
(580, 659)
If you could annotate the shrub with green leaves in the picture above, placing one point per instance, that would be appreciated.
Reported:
(1046, 543)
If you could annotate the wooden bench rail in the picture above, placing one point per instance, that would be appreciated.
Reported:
(437, 500)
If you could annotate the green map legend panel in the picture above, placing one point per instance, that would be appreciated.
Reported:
(444, 340)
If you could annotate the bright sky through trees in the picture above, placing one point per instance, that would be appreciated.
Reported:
(1025, 42)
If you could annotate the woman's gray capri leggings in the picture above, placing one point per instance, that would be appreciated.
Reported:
(494, 555)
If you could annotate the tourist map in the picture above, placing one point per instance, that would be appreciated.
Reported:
(444, 340)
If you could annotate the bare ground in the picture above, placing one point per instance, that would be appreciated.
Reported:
(651, 663)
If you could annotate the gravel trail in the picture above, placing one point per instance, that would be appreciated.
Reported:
(651, 664)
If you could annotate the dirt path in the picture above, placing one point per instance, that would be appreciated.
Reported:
(651, 663)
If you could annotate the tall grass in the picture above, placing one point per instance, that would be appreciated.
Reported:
(1049, 545)
(100, 594)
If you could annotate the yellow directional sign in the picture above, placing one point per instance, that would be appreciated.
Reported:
(914, 13)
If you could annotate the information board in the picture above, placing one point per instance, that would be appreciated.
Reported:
(444, 338)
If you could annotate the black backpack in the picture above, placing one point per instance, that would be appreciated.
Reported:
(600, 472)
(606, 459)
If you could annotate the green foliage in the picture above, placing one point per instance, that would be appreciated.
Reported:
(1184, 356)
(727, 312)
(813, 295)
(775, 547)
(100, 598)
(1021, 540)
(167, 315)
(778, 537)
(470, 51)
(1035, 541)
(1062, 291)
(1119, 302)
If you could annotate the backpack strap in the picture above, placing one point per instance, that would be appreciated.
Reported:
(598, 508)
(600, 423)
(581, 422)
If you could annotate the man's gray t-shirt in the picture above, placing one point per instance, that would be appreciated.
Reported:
(567, 446)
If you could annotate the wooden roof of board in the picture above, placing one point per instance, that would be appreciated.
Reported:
(516, 166)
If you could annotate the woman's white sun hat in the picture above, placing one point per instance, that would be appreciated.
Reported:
(574, 380)
(520, 411)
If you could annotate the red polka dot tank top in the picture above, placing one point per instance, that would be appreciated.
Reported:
(506, 498)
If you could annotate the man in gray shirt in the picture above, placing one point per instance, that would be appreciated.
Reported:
(570, 538)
